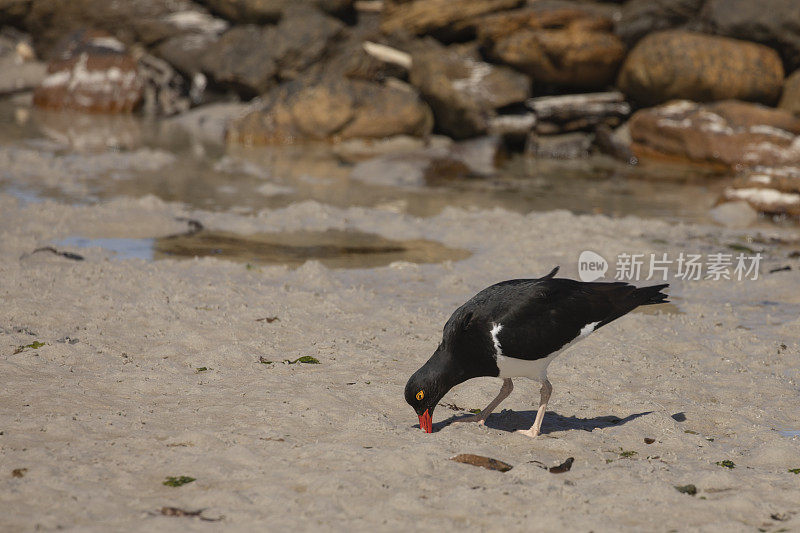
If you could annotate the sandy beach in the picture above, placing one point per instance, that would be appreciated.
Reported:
(151, 369)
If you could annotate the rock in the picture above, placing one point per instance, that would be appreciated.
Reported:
(574, 145)
(615, 143)
(186, 52)
(14, 11)
(768, 190)
(736, 214)
(97, 75)
(771, 22)
(642, 17)
(386, 111)
(421, 17)
(207, 123)
(242, 59)
(572, 112)
(683, 65)
(464, 91)
(333, 109)
(728, 133)
(302, 38)
(251, 59)
(145, 21)
(270, 11)
(562, 47)
(21, 71)
(790, 98)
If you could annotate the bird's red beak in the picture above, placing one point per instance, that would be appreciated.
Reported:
(425, 421)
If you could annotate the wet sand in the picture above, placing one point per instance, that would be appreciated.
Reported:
(114, 402)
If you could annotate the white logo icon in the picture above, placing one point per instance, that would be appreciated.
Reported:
(591, 266)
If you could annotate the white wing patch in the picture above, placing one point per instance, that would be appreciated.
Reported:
(498, 350)
(588, 328)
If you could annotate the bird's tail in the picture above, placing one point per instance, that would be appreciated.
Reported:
(652, 294)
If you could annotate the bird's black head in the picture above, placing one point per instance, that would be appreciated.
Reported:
(422, 394)
(427, 386)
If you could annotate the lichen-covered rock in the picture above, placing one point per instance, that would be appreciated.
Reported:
(464, 91)
(730, 133)
(331, 110)
(684, 65)
(95, 74)
(559, 46)
(775, 23)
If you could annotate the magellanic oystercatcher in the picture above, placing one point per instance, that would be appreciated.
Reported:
(515, 329)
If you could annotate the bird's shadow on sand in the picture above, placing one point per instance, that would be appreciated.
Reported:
(553, 422)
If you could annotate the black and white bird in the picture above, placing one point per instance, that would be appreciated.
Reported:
(515, 329)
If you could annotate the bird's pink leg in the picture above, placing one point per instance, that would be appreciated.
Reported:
(547, 389)
(480, 418)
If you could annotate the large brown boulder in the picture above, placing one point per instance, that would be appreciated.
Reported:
(775, 23)
(684, 65)
(464, 91)
(96, 74)
(421, 17)
(561, 46)
(790, 98)
(729, 133)
(331, 110)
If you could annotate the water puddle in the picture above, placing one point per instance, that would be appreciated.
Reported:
(121, 248)
(789, 432)
(333, 248)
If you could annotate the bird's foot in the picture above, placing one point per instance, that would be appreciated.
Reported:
(532, 433)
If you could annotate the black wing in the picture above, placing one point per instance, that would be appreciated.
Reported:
(541, 316)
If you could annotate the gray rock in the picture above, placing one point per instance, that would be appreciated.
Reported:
(146, 21)
(736, 214)
(775, 23)
(242, 59)
(270, 11)
(251, 59)
(186, 52)
(642, 17)
(565, 146)
(464, 91)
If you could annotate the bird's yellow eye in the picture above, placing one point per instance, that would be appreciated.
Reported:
(420, 395)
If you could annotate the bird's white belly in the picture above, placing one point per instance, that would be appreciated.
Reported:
(511, 367)
(521, 368)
